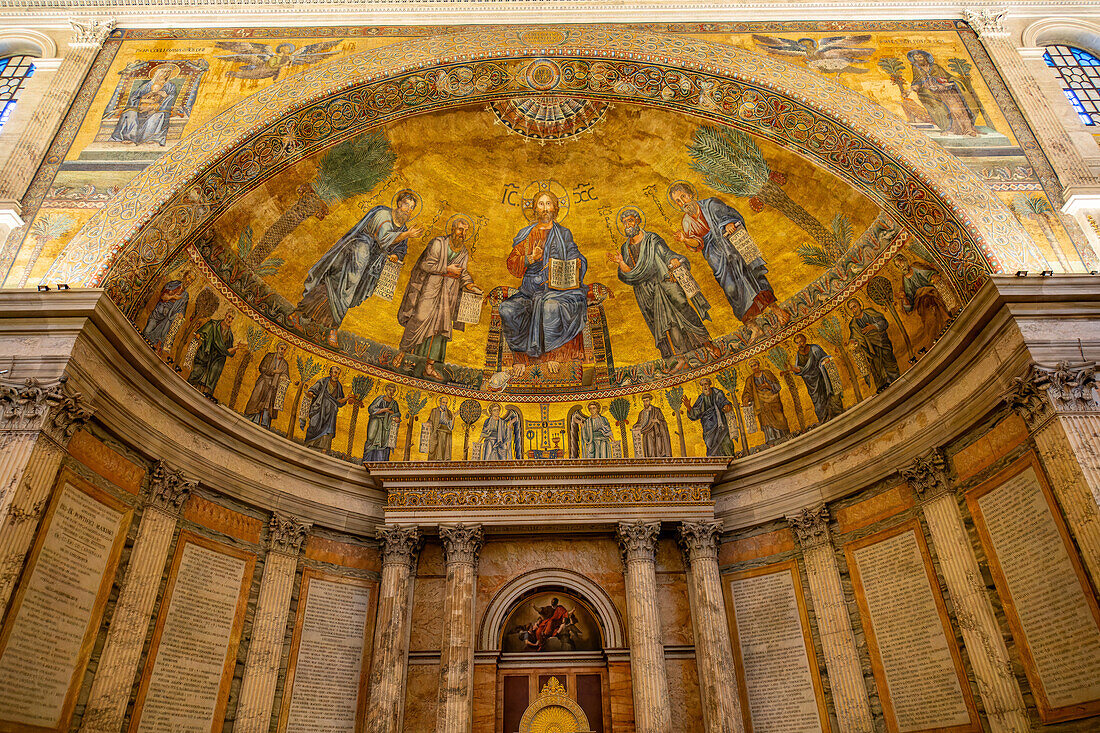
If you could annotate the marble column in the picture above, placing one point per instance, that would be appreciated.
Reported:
(985, 645)
(166, 493)
(713, 651)
(386, 686)
(649, 679)
(834, 624)
(1062, 413)
(37, 420)
(285, 536)
(461, 546)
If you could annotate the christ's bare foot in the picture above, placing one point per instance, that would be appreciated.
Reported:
(553, 367)
(399, 360)
(782, 314)
(430, 371)
(332, 340)
(518, 370)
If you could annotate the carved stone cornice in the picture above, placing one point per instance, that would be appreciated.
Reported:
(927, 475)
(286, 534)
(168, 488)
(638, 540)
(461, 543)
(811, 527)
(1042, 391)
(90, 33)
(986, 22)
(32, 405)
(699, 540)
(400, 544)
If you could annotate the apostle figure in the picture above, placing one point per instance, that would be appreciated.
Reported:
(441, 421)
(385, 417)
(171, 304)
(868, 336)
(810, 363)
(498, 437)
(215, 344)
(552, 619)
(542, 324)
(148, 108)
(647, 264)
(709, 225)
(940, 94)
(596, 434)
(922, 296)
(326, 398)
(347, 274)
(651, 425)
(762, 392)
(429, 307)
(710, 409)
(262, 408)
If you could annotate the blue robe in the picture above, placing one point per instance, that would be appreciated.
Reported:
(741, 282)
(497, 440)
(819, 384)
(165, 311)
(709, 410)
(378, 428)
(535, 319)
(348, 273)
(875, 346)
(596, 437)
(138, 127)
(323, 409)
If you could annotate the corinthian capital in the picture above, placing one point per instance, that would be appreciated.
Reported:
(638, 540)
(286, 534)
(90, 33)
(1042, 390)
(927, 475)
(461, 543)
(811, 526)
(400, 544)
(168, 488)
(700, 539)
(986, 22)
(33, 405)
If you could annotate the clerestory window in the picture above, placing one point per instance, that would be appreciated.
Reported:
(1080, 72)
(14, 71)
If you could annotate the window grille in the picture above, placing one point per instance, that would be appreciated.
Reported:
(14, 70)
(1080, 72)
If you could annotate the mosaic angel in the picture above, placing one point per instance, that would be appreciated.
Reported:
(260, 61)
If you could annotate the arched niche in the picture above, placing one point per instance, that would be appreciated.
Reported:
(1065, 31)
(927, 189)
(26, 42)
(504, 602)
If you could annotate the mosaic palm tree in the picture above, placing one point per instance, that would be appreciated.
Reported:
(469, 412)
(831, 330)
(360, 387)
(779, 357)
(620, 410)
(307, 370)
(46, 227)
(415, 402)
(255, 339)
(675, 399)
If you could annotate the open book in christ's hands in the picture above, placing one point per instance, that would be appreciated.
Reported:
(565, 274)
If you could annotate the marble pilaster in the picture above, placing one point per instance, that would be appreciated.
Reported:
(166, 493)
(834, 624)
(1062, 413)
(985, 645)
(649, 679)
(261, 669)
(386, 686)
(37, 419)
(461, 546)
(713, 651)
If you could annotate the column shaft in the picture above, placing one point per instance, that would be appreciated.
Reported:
(386, 686)
(455, 709)
(261, 668)
(648, 676)
(1004, 704)
(718, 685)
(834, 624)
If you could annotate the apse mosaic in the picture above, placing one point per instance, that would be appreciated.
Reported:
(591, 269)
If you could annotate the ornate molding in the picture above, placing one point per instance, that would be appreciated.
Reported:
(168, 488)
(927, 475)
(986, 22)
(286, 534)
(638, 540)
(400, 544)
(811, 527)
(33, 405)
(1042, 391)
(699, 540)
(90, 33)
(556, 496)
(461, 543)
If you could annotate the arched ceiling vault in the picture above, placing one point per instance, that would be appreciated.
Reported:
(923, 186)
